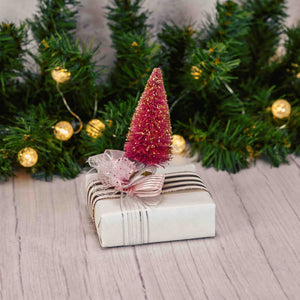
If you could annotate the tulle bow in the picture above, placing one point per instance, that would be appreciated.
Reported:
(136, 180)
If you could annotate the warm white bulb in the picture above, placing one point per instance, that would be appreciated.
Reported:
(178, 144)
(27, 157)
(94, 128)
(60, 75)
(281, 109)
(63, 130)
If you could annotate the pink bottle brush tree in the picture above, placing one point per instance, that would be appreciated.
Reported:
(149, 138)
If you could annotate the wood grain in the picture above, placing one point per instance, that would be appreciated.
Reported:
(49, 248)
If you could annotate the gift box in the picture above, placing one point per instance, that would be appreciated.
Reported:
(183, 210)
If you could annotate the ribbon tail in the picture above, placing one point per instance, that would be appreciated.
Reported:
(151, 201)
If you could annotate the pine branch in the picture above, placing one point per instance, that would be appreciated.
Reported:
(177, 44)
(32, 128)
(54, 16)
(117, 116)
(135, 55)
(12, 56)
(81, 90)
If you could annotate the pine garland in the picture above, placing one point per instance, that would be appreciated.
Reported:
(222, 79)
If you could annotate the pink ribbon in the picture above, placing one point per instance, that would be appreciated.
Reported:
(136, 180)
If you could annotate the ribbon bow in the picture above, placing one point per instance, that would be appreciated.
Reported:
(135, 180)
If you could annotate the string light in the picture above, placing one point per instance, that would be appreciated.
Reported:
(63, 130)
(196, 72)
(94, 128)
(60, 75)
(281, 109)
(178, 144)
(27, 157)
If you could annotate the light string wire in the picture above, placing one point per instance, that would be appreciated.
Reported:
(178, 99)
(69, 109)
(284, 125)
(95, 107)
(229, 89)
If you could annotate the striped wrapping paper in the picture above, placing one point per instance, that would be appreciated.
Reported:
(186, 211)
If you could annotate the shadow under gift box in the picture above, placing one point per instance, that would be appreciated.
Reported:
(180, 215)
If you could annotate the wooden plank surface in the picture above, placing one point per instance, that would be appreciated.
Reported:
(49, 247)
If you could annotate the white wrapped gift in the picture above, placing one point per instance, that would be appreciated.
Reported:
(187, 213)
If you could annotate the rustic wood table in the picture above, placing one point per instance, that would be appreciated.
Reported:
(49, 248)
